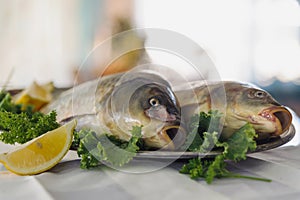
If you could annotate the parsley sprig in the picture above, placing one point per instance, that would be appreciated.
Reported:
(234, 149)
(93, 148)
(19, 125)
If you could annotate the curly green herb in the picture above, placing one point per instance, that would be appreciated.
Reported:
(94, 149)
(235, 149)
(20, 126)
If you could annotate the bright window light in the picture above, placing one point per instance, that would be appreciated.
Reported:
(248, 40)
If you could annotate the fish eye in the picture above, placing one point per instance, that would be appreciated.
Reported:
(256, 94)
(154, 102)
(259, 94)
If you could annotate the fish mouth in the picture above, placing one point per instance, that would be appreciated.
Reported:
(174, 136)
(280, 116)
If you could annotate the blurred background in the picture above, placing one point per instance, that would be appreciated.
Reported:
(256, 41)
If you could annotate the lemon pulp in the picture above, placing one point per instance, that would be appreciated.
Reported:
(41, 153)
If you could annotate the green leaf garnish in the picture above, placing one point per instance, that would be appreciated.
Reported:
(104, 148)
(20, 126)
(198, 126)
(234, 148)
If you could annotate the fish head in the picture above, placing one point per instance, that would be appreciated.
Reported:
(247, 103)
(155, 106)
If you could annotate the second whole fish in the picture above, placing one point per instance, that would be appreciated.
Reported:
(240, 103)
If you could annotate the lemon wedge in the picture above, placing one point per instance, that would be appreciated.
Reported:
(35, 94)
(41, 153)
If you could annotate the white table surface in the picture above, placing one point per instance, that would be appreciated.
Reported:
(68, 181)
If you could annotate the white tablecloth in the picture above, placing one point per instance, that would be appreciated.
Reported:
(68, 181)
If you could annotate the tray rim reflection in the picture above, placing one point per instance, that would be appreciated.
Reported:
(267, 145)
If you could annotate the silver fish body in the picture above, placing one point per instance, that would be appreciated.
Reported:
(114, 104)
